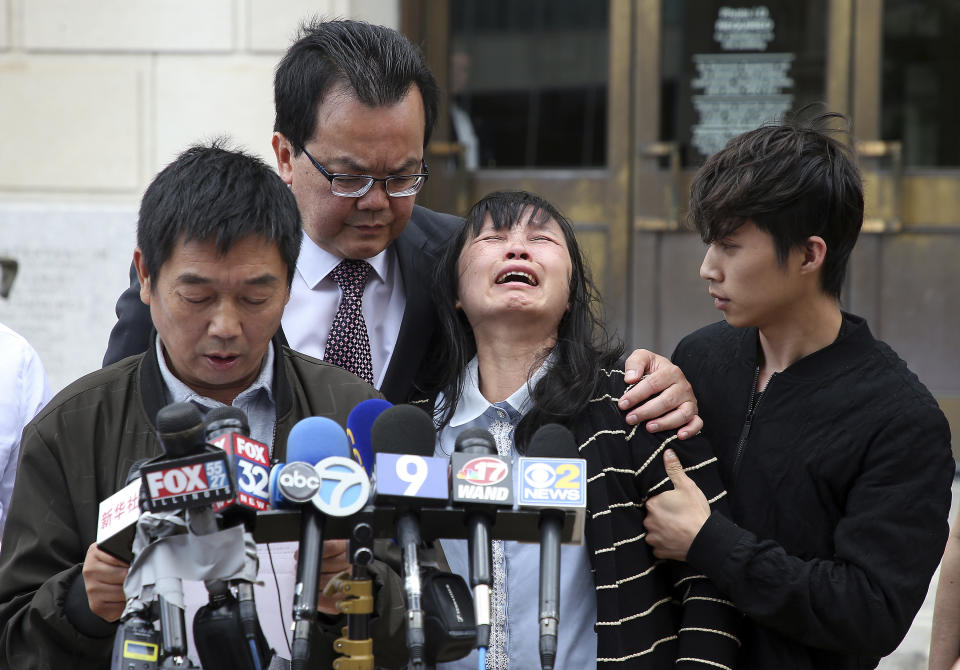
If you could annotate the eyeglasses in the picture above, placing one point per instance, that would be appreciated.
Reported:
(357, 185)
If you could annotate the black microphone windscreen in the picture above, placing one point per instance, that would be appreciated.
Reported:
(553, 441)
(403, 429)
(180, 428)
(475, 441)
(227, 416)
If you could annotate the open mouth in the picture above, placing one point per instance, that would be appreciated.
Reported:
(515, 276)
(221, 359)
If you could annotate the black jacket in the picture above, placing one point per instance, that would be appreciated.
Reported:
(417, 247)
(840, 496)
(77, 452)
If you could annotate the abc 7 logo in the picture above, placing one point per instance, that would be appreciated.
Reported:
(344, 486)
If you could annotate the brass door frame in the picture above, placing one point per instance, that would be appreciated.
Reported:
(897, 198)
(904, 272)
(653, 158)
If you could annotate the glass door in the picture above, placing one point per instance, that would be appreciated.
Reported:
(707, 70)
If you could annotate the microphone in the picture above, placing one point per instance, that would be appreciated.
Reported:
(319, 441)
(293, 484)
(403, 439)
(227, 428)
(551, 474)
(180, 429)
(215, 625)
(485, 484)
(359, 424)
(224, 420)
(190, 475)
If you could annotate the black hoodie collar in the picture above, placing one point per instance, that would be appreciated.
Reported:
(854, 338)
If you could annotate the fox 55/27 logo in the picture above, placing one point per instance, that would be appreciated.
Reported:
(189, 481)
(553, 482)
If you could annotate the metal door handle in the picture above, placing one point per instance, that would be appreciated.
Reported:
(671, 195)
(888, 200)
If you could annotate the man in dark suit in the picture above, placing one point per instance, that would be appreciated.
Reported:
(355, 107)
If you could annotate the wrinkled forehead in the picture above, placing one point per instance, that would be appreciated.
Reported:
(509, 218)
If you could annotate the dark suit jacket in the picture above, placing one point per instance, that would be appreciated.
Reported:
(417, 251)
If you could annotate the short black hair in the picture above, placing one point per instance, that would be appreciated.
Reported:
(793, 180)
(583, 345)
(215, 193)
(376, 63)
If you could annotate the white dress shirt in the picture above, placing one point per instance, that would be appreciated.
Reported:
(24, 390)
(315, 297)
(466, 135)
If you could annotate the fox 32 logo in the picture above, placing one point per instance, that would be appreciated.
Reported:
(344, 486)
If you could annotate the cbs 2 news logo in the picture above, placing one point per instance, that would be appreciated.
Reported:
(553, 482)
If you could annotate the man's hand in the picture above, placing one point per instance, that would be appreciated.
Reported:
(335, 561)
(675, 407)
(103, 577)
(675, 517)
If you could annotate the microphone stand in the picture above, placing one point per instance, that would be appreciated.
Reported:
(355, 644)
(408, 533)
(173, 628)
(167, 648)
(173, 632)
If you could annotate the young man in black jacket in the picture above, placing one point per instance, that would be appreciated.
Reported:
(836, 458)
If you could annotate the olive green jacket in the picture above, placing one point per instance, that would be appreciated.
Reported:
(77, 452)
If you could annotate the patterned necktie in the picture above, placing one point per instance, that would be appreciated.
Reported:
(497, 652)
(348, 344)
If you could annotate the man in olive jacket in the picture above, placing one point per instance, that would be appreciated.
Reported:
(217, 242)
